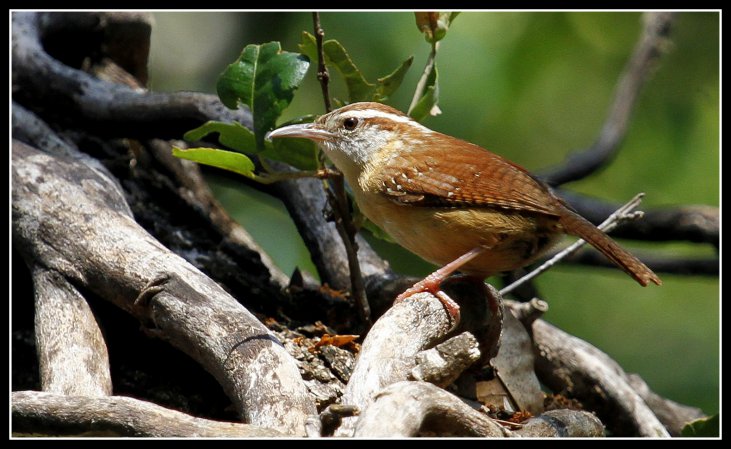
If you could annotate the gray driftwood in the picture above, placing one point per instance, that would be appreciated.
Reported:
(108, 253)
(72, 355)
(566, 363)
(50, 414)
(407, 409)
(388, 352)
(561, 423)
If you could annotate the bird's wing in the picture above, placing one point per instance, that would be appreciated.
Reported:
(457, 178)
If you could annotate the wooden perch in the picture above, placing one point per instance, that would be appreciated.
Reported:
(73, 220)
(49, 414)
(442, 364)
(388, 352)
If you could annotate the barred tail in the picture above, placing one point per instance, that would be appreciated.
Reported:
(577, 225)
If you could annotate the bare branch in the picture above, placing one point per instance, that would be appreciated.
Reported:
(652, 44)
(691, 266)
(338, 199)
(49, 414)
(305, 201)
(387, 354)
(109, 109)
(322, 75)
(72, 220)
(409, 409)
(692, 223)
(527, 312)
(674, 416)
(72, 354)
(572, 366)
(443, 364)
(340, 205)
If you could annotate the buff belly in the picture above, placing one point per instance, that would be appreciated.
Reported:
(440, 235)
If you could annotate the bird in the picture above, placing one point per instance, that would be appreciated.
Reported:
(449, 201)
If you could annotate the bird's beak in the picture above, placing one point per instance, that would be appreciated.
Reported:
(310, 131)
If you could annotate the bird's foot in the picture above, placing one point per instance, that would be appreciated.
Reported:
(432, 283)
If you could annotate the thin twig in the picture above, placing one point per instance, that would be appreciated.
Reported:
(623, 213)
(322, 74)
(421, 85)
(651, 45)
(338, 199)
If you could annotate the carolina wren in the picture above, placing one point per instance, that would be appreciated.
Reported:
(449, 201)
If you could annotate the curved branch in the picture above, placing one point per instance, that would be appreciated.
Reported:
(306, 202)
(114, 110)
(72, 220)
(651, 45)
(709, 266)
(408, 409)
(83, 101)
(567, 364)
(443, 364)
(56, 415)
(389, 351)
(72, 354)
(692, 223)
(674, 416)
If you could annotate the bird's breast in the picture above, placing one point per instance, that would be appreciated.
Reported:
(441, 234)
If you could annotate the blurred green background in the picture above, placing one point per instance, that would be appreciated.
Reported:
(532, 87)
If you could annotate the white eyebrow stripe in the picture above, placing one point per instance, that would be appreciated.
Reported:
(372, 113)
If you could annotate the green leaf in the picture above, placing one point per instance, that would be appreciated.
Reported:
(227, 160)
(299, 153)
(427, 104)
(264, 79)
(434, 25)
(359, 89)
(703, 427)
(389, 83)
(233, 135)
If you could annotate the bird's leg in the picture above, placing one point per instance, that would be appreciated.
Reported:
(432, 283)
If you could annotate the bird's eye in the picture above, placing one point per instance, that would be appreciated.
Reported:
(350, 123)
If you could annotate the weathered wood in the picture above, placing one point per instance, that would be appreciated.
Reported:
(560, 424)
(388, 351)
(72, 355)
(514, 366)
(674, 416)
(67, 216)
(443, 364)
(408, 409)
(47, 414)
(568, 364)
